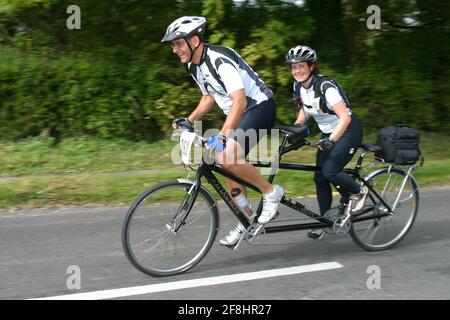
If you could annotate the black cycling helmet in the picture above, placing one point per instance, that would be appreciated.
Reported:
(301, 54)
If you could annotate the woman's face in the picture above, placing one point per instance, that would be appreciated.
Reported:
(301, 71)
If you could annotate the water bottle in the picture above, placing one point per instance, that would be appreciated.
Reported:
(243, 203)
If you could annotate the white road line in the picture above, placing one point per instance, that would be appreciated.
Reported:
(176, 285)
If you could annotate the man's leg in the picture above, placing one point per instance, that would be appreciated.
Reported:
(253, 126)
(232, 159)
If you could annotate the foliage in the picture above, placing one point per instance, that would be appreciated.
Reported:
(113, 78)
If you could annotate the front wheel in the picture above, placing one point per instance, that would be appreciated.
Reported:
(381, 233)
(170, 228)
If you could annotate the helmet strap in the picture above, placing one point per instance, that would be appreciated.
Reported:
(190, 49)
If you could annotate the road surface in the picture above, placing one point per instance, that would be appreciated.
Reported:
(41, 250)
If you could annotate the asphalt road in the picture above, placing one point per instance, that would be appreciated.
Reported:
(41, 248)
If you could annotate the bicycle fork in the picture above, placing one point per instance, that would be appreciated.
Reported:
(186, 206)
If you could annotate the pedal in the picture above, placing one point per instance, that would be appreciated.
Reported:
(238, 244)
(342, 225)
(316, 236)
(259, 229)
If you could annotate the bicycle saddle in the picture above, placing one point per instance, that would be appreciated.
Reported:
(370, 147)
(296, 129)
(295, 133)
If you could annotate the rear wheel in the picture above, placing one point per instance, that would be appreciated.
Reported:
(169, 228)
(375, 234)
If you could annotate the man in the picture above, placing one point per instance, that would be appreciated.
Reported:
(226, 79)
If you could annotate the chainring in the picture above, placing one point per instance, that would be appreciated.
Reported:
(333, 214)
(340, 229)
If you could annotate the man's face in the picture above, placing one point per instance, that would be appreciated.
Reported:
(181, 49)
(301, 71)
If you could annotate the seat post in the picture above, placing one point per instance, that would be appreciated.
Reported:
(360, 160)
(277, 159)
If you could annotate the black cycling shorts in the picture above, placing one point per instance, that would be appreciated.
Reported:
(261, 117)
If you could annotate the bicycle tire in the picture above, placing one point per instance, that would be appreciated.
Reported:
(386, 232)
(152, 217)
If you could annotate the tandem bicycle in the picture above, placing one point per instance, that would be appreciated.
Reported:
(172, 226)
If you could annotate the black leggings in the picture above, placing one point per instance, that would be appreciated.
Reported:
(333, 161)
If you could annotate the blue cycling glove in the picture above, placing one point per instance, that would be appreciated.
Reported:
(217, 142)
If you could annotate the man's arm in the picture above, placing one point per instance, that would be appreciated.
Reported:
(203, 107)
(236, 111)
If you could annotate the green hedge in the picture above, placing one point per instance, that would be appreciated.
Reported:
(113, 78)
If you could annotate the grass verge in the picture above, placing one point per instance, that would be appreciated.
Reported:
(34, 172)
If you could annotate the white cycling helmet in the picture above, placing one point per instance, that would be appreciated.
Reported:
(301, 54)
(185, 27)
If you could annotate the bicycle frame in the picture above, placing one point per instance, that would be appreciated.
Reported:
(206, 170)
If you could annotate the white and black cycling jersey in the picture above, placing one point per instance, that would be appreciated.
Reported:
(318, 101)
(222, 71)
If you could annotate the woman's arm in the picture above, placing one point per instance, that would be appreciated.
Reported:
(301, 118)
(341, 111)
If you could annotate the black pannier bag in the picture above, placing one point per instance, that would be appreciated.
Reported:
(399, 144)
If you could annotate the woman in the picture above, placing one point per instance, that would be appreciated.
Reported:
(323, 99)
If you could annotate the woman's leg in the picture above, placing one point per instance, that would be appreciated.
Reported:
(323, 187)
(337, 158)
(340, 155)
